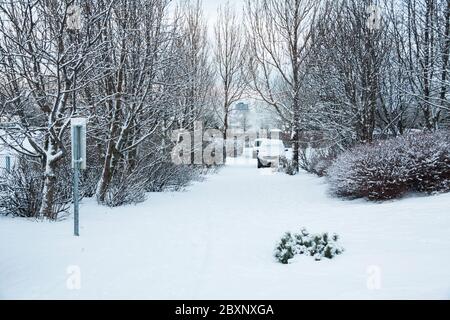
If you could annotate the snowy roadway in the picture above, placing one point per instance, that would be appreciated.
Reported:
(215, 241)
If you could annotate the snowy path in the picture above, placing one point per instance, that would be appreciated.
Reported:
(215, 241)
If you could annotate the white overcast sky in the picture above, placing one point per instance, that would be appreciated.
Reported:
(210, 8)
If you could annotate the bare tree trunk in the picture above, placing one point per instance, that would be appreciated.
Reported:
(106, 177)
(225, 137)
(49, 187)
(296, 140)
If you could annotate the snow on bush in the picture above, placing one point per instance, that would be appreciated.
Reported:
(318, 246)
(389, 169)
(130, 185)
(21, 192)
(286, 249)
(166, 176)
(287, 166)
(317, 161)
(429, 156)
(126, 188)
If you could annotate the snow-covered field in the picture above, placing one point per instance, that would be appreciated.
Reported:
(216, 240)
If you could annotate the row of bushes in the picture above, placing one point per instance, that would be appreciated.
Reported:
(383, 170)
(21, 188)
(317, 161)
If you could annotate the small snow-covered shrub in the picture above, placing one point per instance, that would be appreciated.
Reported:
(285, 249)
(21, 190)
(388, 169)
(319, 246)
(21, 193)
(166, 176)
(88, 181)
(321, 161)
(127, 187)
(429, 156)
(287, 166)
(317, 161)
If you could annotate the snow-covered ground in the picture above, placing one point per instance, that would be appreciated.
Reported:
(216, 240)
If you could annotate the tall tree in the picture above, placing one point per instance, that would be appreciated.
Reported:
(129, 96)
(280, 34)
(46, 49)
(421, 32)
(230, 58)
(348, 70)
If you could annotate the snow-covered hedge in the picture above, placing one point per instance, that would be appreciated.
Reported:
(318, 246)
(429, 156)
(317, 161)
(169, 177)
(389, 169)
(21, 192)
(152, 174)
(287, 166)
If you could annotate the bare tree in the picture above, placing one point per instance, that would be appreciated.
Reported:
(280, 35)
(230, 57)
(127, 105)
(347, 72)
(194, 74)
(45, 60)
(132, 68)
(420, 30)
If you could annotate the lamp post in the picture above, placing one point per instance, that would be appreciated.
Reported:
(76, 176)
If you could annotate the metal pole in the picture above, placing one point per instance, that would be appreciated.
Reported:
(77, 138)
(8, 164)
(77, 160)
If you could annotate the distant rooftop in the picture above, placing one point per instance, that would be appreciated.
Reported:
(241, 107)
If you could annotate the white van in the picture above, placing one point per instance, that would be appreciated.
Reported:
(256, 145)
(270, 153)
